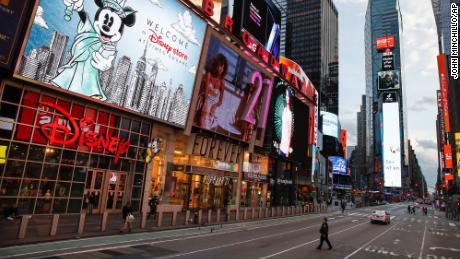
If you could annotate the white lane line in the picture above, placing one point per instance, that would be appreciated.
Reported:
(436, 217)
(392, 217)
(419, 221)
(355, 220)
(452, 224)
(310, 242)
(351, 214)
(366, 244)
(423, 244)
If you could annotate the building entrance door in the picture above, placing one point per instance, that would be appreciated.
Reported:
(115, 191)
(95, 185)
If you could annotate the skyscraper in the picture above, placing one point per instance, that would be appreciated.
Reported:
(383, 32)
(57, 48)
(312, 42)
(116, 91)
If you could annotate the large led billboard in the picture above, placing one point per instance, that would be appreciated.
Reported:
(388, 80)
(232, 98)
(391, 145)
(287, 131)
(140, 55)
(386, 42)
(339, 165)
(330, 124)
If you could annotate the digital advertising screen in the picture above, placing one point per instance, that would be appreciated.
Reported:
(231, 89)
(140, 55)
(288, 123)
(330, 124)
(339, 165)
(388, 80)
(391, 145)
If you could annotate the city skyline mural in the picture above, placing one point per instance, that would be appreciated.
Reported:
(141, 55)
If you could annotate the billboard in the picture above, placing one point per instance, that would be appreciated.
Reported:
(389, 97)
(216, 6)
(343, 141)
(457, 152)
(140, 55)
(330, 124)
(287, 132)
(294, 74)
(386, 42)
(448, 162)
(443, 74)
(339, 165)
(387, 61)
(388, 80)
(12, 16)
(391, 145)
(232, 98)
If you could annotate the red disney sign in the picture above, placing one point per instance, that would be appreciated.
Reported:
(82, 133)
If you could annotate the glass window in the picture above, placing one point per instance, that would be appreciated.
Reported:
(68, 157)
(79, 175)
(74, 206)
(30, 99)
(62, 189)
(65, 173)
(43, 206)
(77, 190)
(46, 189)
(8, 110)
(82, 159)
(114, 166)
(6, 202)
(93, 161)
(50, 171)
(145, 128)
(125, 165)
(134, 139)
(135, 205)
(136, 126)
(10, 187)
(18, 151)
(12, 94)
(14, 168)
(140, 167)
(26, 206)
(125, 123)
(29, 188)
(36, 153)
(144, 141)
(104, 162)
(124, 134)
(132, 152)
(136, 193)
(59, 205)
(33, 170)
(52, 155)
(138, 179)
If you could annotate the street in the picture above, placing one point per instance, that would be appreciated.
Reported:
(351, 234)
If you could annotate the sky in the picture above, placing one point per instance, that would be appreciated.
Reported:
(420, 48)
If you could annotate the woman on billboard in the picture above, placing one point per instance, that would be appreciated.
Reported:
(212, 91)
(286, 128)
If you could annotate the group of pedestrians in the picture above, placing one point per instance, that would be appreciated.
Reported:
(411, 210)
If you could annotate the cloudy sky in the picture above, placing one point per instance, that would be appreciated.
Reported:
(421, 81)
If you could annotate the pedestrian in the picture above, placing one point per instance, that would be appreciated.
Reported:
(324, 231)
(413, 210)
(343, 205)
(153, 207)
(128, 217)
(91, 203)
(409, 209)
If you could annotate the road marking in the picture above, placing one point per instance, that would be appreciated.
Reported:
(444, 248)
(423, 244)
(392, 217)
(331, 218)
(366, 244)
(396, 241)
(351, 214)
(452, 224)
(436, 217)
(419, 221)
(435, 222)
(355, 220)
(310, 242)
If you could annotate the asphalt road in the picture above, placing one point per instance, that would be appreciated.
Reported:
(351, 234)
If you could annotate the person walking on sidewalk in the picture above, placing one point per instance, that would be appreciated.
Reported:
(343, 205)
(128, 217)
(409, 209)
(324, 231)
(153, 207)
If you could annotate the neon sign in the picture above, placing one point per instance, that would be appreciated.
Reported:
(82, 133)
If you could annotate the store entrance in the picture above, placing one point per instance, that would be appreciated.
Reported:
(108, 188)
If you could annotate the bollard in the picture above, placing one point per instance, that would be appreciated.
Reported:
(218, 216)
(187, 217)
(245, 214)
(200, 216)
(81, 223)
(237, 217)
(143, 220)
(209, 216)
(54, 225)
(105, 215)
(260, 213)
(252, 213)
(174, 218)
(266, 213)
(160, 218)
(23, 227)
(282, 214)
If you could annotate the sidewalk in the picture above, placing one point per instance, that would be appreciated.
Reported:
(140, 238)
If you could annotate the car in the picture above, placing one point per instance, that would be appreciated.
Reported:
(380, 216)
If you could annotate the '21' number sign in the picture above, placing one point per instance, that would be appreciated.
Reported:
(266, 93)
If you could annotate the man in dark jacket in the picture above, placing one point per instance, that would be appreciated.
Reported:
(324, 234)
(153, 206)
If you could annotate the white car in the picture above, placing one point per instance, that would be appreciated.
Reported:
(380, 216)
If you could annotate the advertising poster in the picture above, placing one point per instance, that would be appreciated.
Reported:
(12, 15)
(288, 124)
(391, 145)
(457, 153)
(141, 55)
(388, 80)
(387, 61)
(330, 124)
(216, 10)
(386, 42)
(230, 88)
(339, 165)
(448, 162)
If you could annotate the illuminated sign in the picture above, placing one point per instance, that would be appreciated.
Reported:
(389, 80)
(442, 69)
(339, 165)
(81, 133)
(386, 42)
(343, 141)
(391, 145)
(283, 119)
(448, 162)
(330, 124)
(457, 145)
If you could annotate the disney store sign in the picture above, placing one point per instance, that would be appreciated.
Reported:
(63, 129)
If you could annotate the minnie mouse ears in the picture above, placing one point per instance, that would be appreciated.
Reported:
(118, 6)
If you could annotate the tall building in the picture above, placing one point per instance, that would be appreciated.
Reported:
(57, 48)
(360, 161)
(116, 90)
(312, 42)
(282, 6)
(383, 32)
